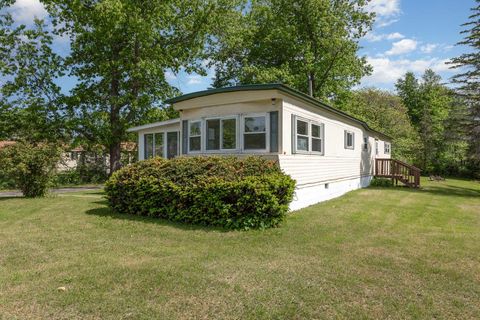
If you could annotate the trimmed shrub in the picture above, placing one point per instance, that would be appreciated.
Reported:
(220, 191)
(29, 166)
(381, 182)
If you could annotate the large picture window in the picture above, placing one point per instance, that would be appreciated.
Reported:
(349, 140)
(308, 136)
(195, 136)
(255, 132)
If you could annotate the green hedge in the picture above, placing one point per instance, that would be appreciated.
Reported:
(381, 182)
(221, 191)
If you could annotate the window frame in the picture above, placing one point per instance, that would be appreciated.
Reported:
(376, 147)
(310, 122)
(385, 144)
(345, 141)
(153, 134)
(221, 149)
(190, 122)
(365, 143)
(267, 132)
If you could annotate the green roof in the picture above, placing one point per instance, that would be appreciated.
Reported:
(274, 86)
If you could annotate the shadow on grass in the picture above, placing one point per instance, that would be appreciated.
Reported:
(441, 190)
(105, 211)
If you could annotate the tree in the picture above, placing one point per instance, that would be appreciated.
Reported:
(436, 115)
(30, 100)
(468, 79)
(294, 42)
(120, 53)
(385, 112)
(408, 90)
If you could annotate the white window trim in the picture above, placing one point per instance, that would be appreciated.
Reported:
(267, 132)
(345, 141)
(190, 122)
(294, 136)
(237, 140)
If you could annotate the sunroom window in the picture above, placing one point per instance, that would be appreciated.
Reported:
(149, 145)
(349, 140)
(255, 133)
(365, 143)
(229, 133)
(195, 136)
(213, 134)
(154, 145)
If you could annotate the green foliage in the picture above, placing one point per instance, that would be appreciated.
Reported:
(290, 41)
(220, 191)
(82, 174)
(438, 117)
(386, 113)
(31, 166)
(381, 183)
(121, 51)
(468, 83)
(30, 100)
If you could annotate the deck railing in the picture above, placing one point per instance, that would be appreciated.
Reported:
(398, 171)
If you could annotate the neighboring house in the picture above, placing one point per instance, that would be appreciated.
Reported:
(79, 155)
(327, 151)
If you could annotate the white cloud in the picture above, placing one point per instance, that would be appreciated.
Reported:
(373, 37)
(24, 11)
(386, 11)
(428, 48)
(387, 71)
(194, 79)
(170, 76)
(402, 47)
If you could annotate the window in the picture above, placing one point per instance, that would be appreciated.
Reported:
(349, 140)
(376, 147)
(213, 134)
(195, 136)
(387, 148)
(159, 145)
(365, 143)
(154, 145)
(255, 133)
(302, 136)
(316, 138)
(308, 136)
(149, 145)
(229, 133)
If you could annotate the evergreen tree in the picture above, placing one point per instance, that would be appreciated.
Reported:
(468, 78)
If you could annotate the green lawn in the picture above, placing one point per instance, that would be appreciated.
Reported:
(374, 253)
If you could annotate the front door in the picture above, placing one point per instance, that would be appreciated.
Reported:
(172, 144)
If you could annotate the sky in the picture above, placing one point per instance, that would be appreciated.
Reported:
(408, 35)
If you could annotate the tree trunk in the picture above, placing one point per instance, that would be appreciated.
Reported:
(115, 156)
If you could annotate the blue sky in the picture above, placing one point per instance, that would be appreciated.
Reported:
(409, 35)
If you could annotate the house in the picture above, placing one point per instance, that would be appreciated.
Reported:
(327, 151)
(97, 155)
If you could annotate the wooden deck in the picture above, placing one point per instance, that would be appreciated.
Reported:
(398, 171)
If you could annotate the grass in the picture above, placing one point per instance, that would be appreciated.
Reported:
(374, 253)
